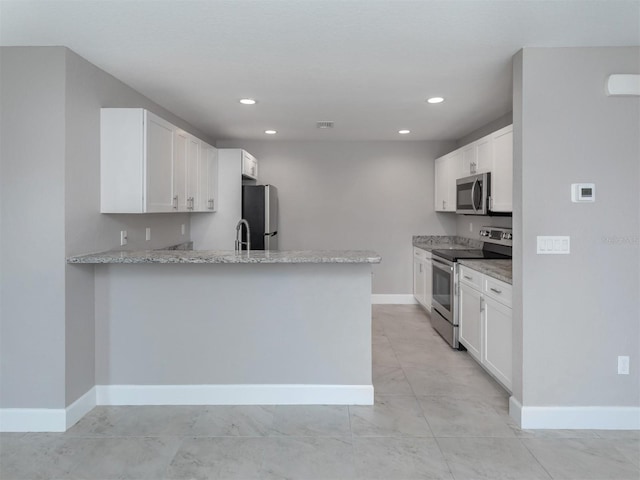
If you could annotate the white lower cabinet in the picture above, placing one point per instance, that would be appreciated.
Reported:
(486, 322)
(422, 277)
(496, 354)
(470, 329)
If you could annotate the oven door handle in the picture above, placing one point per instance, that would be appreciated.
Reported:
(441, 265)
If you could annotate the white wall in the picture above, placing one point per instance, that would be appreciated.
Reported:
(355, 195)
(50, 131)
(574, 314)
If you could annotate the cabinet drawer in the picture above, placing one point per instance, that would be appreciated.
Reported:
(470, 277)
(421, 254)
(498, 290)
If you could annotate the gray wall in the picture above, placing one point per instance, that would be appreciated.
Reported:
(51, 101)
(226, 324)
(355, 195)
(497, 124)
(576, 313)
(32, 333)
(463, 222)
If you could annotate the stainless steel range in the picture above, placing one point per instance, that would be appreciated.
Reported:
(445, 287)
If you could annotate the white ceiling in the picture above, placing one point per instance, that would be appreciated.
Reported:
(367, 65)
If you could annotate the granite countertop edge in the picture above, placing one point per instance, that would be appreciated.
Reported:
(229, 257)
(498, 269)
(443, 242)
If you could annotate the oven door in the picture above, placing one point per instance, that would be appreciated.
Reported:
(472, 194)
(443, 287)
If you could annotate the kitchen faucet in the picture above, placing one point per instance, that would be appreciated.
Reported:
(240, 243)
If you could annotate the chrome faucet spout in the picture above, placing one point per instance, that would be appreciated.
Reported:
(239, 242)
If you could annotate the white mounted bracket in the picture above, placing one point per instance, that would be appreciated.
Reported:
(623, 84)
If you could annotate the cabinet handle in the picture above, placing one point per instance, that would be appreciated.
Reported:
(444, 204)
(481, 304)
(175, 202)
(495, 290)
(468, 278)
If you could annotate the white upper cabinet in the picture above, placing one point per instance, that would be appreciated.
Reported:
(207, 178)
(447, 170)
(492, 153)
(136, 162)
(186, 171)
(502, 170)
(249, 166)
(477, 157)
(148, 165)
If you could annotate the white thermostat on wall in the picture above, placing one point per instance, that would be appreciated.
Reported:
(583, 192)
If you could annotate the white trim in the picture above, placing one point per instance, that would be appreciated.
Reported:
(234, 394)
(33, 420)
(575, 418)
(80, 407)
(393, 299)
(46, 419)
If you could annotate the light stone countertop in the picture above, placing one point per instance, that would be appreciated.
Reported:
(229, 257)
(443, 242)
(498, 269)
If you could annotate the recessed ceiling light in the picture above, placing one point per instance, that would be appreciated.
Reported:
(435, 100)
(270, 132)
(247, 101)
(404, 132)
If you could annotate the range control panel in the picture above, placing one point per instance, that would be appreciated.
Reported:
(497, 235)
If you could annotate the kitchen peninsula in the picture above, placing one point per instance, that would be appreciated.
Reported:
(218, 327)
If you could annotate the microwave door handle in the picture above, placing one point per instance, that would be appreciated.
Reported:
(473, 196)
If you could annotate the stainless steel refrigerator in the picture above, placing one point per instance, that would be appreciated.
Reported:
(260, 209)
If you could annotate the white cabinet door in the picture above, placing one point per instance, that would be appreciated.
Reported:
(136, 161)
(496, 351)
(249, 166)
(484, 154)
(193, 163)
(447, 170)
(186, 170)
(502, 171)
(207, 178)
(470, 320)
(180, 170)
(159, 165)
(441, 176)
(469, 161)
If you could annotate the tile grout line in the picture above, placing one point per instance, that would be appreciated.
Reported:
(444, 458)
(535, 458)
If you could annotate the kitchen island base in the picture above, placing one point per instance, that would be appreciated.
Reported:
(233, 334)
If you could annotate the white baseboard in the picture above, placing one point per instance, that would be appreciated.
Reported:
(234, 394)
(80, 407)
(33, 420)
(393, 299)
(575, 418)
(46, 419)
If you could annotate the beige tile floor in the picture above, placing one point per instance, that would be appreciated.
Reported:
(437, 415)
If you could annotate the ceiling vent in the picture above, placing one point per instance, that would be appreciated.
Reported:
(326, 124)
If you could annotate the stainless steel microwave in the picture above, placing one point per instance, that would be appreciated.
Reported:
(472, 194)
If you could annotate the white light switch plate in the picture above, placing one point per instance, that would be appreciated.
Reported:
(553, 245)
